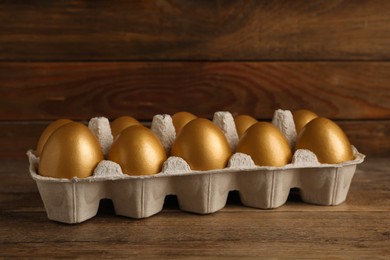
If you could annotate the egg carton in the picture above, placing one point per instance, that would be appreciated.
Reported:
(203, 192)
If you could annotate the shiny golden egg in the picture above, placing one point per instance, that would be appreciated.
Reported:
(302, 117)
(243, 122)
(71, 151)
(202, 145)
(266, 145)
(326, 140)
(138, 151)
(180, 119)
(48, 131)
(121, 123)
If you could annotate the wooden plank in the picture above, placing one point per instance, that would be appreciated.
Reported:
(227, 235)
(181, 30)
(47, 91)
(18, 137)
(370, 137)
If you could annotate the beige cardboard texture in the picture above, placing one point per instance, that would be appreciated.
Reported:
(203, 192)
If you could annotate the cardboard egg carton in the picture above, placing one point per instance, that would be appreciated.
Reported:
(76, 200)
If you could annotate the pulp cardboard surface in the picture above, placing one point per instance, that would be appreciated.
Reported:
(203, 192)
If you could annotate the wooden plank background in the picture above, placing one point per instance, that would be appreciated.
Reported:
(195, 30)
(79, 59)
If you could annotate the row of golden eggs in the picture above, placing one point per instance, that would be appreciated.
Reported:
(267, 146)
(67, 147)
(199, 142)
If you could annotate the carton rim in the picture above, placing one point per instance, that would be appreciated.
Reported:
(359, 158)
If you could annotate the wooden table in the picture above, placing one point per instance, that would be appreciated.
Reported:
(360, 227)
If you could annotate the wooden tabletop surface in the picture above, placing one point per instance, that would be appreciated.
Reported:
(360, 227)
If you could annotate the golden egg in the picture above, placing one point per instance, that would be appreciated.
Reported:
(121, 123)
(266, 145)
(302, 117)
(48, 131)
(326, 140)
(243, 122)
(180, 119)
(202, 145)
(138, 151)
(71, 151)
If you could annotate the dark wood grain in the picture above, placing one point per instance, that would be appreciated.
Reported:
(47, 91)
(206, 30)
(225, 235)
(359, 228)
(370, 137)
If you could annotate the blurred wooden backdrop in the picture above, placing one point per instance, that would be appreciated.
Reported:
(79, 59)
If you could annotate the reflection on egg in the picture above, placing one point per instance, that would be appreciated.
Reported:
(180, 119)
(121, 123)
(71, 151)
(138, 151)
(327, 140)
(202, 145)
(301, 118)
(48, 131)
(266, 145)
(243, 122)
